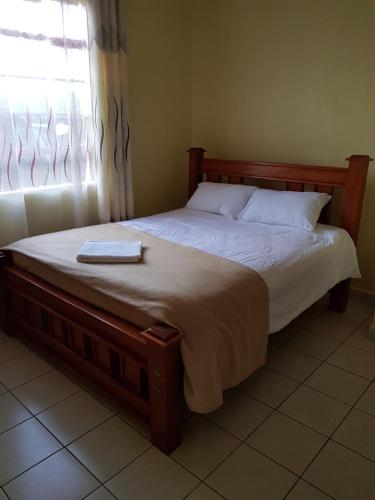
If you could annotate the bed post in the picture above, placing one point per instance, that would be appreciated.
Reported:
(165, 387)
(350, 219)
(195, 159)
(5, 259)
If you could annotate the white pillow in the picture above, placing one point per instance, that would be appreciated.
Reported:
(285, 208)
(221, 198)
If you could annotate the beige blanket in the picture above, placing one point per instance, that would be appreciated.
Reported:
(221, 306)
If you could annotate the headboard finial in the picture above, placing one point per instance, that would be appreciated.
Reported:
(359, 158)
(196, 149)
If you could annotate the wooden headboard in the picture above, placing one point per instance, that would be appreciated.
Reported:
(352, 180)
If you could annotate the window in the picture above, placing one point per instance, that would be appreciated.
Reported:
(45, 97)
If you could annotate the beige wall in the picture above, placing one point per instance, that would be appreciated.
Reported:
(159, 49)
(290, 80)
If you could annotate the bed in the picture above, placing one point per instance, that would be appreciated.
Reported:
(141, 365)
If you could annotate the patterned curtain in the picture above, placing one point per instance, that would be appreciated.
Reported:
(64, 131)
(108, 67)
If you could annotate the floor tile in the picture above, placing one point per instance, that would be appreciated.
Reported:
(2, 389)
(10, 348)
(358, 433)
(342, 473)
(24, 446)
(22, 369)
(137, 423)
(248, 474)
(100, 494)
(337, 383)
(240, 414)
(204, 446)
(357, 311)
(304, 491)
(11, 412)
(292, 363)
(153, 476)
(95, 391)
(109, 447)
(268, 386)
(287, 442)
(45, 391)
(332, 325)
(59, 477)
(316, 410)
(73, 417)
(277, 339)
(360, 339)
(106, 399)
(356, 361)
(2, 495)
(203, 492)
(315, 345)
(367, 401)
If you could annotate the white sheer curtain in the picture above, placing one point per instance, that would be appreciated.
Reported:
(51, 147)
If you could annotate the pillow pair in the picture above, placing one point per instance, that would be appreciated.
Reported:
(300, 210)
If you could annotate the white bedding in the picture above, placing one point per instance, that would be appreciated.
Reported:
(298, 266)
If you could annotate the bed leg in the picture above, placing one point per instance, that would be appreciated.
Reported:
(165, 386)
(339, 296)
(5, 259)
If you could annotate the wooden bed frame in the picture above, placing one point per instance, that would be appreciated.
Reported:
(142, 369)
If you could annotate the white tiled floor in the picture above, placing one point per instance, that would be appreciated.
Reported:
(301, 428)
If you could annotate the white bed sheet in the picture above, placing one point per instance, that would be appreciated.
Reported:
(298, 266)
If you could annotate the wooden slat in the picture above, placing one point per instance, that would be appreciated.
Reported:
(295, 186)
(132, 374)
(213, 177)
(57, 329)
(17, 303)
(326, 212)
(324, 189)
(102, 356)
(77, 340)
(34, 312)
(234, 179)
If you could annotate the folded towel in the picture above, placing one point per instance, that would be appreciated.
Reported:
(110, 251)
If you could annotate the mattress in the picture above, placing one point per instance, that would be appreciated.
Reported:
(299, 267)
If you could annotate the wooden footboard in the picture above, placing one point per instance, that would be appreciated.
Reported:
(140, 368)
